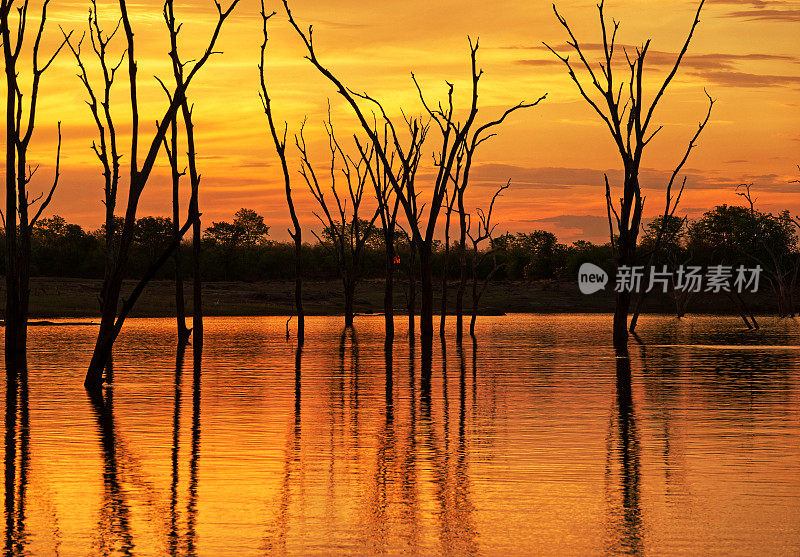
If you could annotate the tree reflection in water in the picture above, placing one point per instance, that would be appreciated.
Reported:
(17, 462)
(347, 446)
(624, 528)
(277, 531)
(380, 474)
(113, 529)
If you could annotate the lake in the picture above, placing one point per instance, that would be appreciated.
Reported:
(537, 441)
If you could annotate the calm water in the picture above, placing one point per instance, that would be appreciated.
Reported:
(534, 443)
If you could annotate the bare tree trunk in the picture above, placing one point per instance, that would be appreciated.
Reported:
(443, 306)
(197, 227)
(746, 310)
(109, 324)
(621, 310)
(105, 336)
(637, 309)
(462, 259)
(474, 317)
(628, 120)
(739, 309)
(20, 125)
(180, 305)
(627, 255)
(388, 291)
(298, 282)
(13, 330)
(24, 270)
(484, 232)
(280, 148)
(12, 326)
(197, 279)
(445, 266)
(426, 306)
(105, 342)
(412, 290)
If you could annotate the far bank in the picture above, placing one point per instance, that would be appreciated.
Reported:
(67, 297)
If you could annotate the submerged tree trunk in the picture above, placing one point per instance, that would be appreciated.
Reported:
(474, 316)
(12, 326)
(24, 270)
(197, 227)
(630, 220)
(445, 266)
(180, 305)
(109, 333)
(637, 309)
(443, 310)
(388, 291)
(20, 123)
(111, 295)
(426, 306)
(280, 148)
(462, 261)
(197, 286)
(298, 282)
(623, 297)
(412, 291)
(109, 323)
(623, 302)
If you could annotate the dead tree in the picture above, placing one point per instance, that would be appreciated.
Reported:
(484, 232)
(411, 290)
(629, 119)
(181, 83)
(21, 211)
(662, 235)
(388, 207)
(105, 148)
(171, 148)
(410, 158)
(453, 135)
(346, 232)
(280, 148)
(462, 263)
(110, 323)
(461, 155)
(449, 202)
(780, 269)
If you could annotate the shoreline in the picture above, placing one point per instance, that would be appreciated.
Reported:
(75, 298)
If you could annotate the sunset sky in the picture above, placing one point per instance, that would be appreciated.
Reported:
(745, 53)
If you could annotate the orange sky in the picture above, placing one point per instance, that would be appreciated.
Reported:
(744, 52)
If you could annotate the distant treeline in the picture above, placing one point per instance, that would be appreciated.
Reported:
(242, 251)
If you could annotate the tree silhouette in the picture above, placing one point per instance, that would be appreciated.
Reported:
(343, 229)
(388, 207)
(484, 231)
(455, 136)
(21, 211)
(280, 147)
(111, 323)
(628, 117)
(106, 147)
(248, 229)
(181, 84)
(171, 148)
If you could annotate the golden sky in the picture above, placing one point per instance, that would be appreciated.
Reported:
(745, 53)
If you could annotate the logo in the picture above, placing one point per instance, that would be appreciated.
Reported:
(591, 278)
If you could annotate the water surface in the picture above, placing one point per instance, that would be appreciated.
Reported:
(537, 441)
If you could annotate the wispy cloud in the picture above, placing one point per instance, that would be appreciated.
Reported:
(742, 79)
